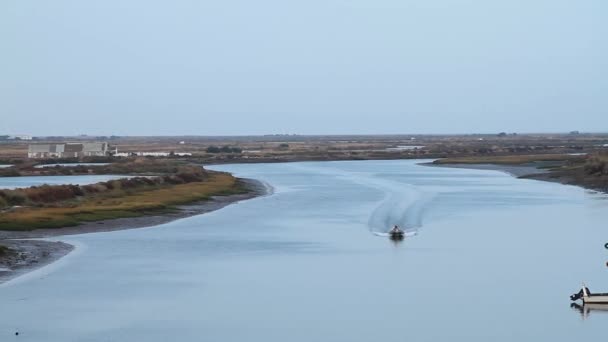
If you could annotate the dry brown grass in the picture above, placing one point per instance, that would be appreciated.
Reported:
(136, 204)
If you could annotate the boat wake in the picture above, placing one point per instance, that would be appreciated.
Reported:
(404, 205)
(406, 233)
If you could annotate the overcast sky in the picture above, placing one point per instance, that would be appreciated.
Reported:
(231, 67)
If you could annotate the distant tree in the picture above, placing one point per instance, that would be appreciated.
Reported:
(502, 134)
(213, 149)
(223, 149)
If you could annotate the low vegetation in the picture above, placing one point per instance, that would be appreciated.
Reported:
(597, 165)
(223, 149)
(4, 251)
(512, 159)
(68, 205)
(132, 166)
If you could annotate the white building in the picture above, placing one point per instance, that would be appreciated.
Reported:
(67, 150)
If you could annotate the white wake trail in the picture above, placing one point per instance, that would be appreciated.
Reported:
(403, 204)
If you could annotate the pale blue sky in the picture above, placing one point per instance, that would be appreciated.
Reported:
(145, 67)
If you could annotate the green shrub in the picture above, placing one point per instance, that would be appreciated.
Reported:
(4, 251)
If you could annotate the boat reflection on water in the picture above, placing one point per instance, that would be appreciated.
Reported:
(586, 309)
(397, 237)
(396, 233)
(396, 240)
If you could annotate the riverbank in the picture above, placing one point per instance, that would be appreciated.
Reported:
(22, 256)
(26, 255)
(513, 170)
(587, 172)
(59, 206)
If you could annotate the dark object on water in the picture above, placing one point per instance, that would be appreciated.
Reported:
(396, 233)
(580, 294)
(16, 333)
(397, 236)
(606, 245)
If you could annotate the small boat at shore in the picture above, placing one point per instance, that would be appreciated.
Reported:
(590, 298)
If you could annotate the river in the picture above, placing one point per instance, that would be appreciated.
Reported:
(26, 181)
(491, 257)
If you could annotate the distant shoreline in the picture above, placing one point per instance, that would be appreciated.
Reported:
(517, 171)
(35, 252)
(520, 171)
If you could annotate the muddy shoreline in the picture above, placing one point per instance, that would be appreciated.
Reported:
(527, 172)
(29, 253)
(518, 171)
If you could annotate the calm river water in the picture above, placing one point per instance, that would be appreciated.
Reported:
(22, 182)
(493, 258)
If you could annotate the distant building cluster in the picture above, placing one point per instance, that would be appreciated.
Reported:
(21, 137)
(67, 150)
(16, 137)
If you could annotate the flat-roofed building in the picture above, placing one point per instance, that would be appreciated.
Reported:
(67, 150)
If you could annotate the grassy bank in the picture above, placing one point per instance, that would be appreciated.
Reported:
(109, 200)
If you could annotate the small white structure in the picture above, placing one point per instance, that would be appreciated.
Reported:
(405, 148)
(121, 154)
(21, 137)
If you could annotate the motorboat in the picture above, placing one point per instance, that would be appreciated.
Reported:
(590, 298)
(396, 233)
